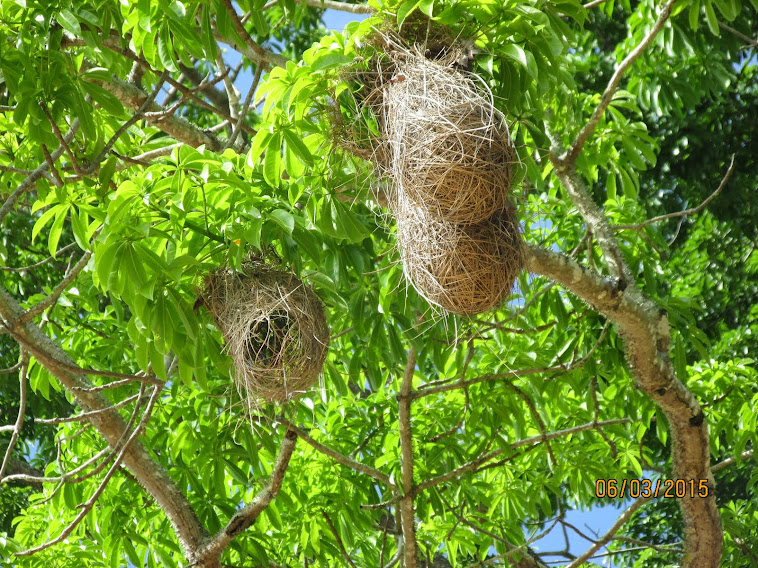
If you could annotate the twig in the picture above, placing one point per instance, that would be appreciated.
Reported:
(12, 170)
(51, 165)
(247, 516)
(344, 460)
(10, 370)
(60, 138)
(406, 462)
(602, 541)
(750, 41)
(245, 107)
(21, 413)
(232, 94)
(340, 544)
(52, 298)
(86, 415)
(729, 461)
(63, 477)
(40, 263)
(87, 507)
(594, 3)
(686, 212)
(607, 96)
(262, 55)
(537, 419)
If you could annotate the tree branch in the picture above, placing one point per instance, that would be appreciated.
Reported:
(16, 432)
(344, 460)
(729, 461)
(87, 507)
(644, 329)
(258, 53)
(686, 212)
(341, 6)
(336, 535)
(134, 98)
(247, 516)
(602, 541)
(406, 462)
(586, 132)
(110, 424)
(28, 182)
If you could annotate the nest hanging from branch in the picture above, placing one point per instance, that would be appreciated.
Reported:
(274, 328)
(464, 269)
(431, 128)
(449, 148)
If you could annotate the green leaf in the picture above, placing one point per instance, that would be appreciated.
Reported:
(710, 17)
(272, 163)
(694, 14)
(295, 143)
(44, 220)
(330, 60)
(69, 22)
(166, 49)
(516, 53)
(427, 7)
(211, 49)
(405, 10)
(284, 219)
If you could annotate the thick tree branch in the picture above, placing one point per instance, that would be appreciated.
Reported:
(110, 424)
(134, 98)
(645, 331)
(406, 462)
(341, 6)
(586, 132)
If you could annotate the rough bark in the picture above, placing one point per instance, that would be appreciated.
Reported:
(644, 328)
(109, 423)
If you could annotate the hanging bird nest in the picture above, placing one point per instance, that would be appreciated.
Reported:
(431, 127)
(464, 269)
(450, 149)
(274, 328)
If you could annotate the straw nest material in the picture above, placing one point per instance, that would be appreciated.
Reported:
(449, 148)
(274, 328)
(430, 127)
(464, 269)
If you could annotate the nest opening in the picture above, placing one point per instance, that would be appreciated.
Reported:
(274, 329)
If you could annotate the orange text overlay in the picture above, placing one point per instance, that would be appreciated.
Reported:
(666, 488)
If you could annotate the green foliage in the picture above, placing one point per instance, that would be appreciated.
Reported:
(546, 361)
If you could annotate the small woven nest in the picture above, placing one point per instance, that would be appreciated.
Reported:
(464, 269)
(274, 328)
(449, 148)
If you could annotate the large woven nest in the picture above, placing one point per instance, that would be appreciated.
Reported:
(431, 127)
(449, 148)
(464, 269)
(274, 328)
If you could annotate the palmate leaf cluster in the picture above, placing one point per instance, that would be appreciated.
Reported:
(547, 361)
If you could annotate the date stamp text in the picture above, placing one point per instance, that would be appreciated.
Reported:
(666, 488)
